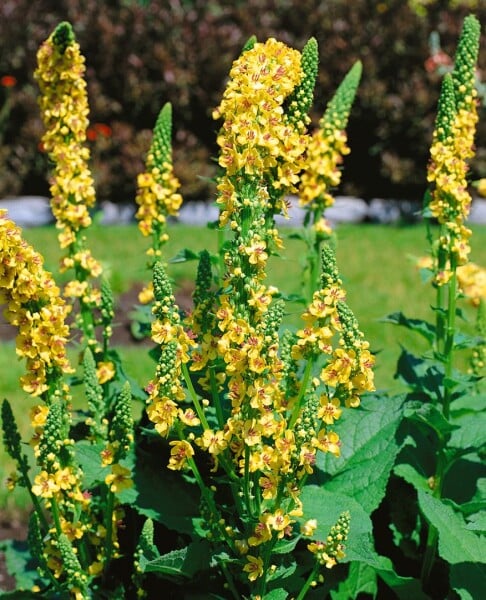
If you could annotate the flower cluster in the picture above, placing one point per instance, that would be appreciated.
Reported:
(325, 152)
(348, 372)
(157, 195)
(452, 146)
(256, 138)
(329, 552)
(64, 110)
(34, 305)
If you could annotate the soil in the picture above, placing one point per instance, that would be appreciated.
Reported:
(14, 526)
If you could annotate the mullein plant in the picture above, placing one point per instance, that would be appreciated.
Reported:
(445, 401)
(73, 533)
(322, 173)
(258, 403)
(449, 203)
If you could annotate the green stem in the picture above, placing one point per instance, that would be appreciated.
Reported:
(24, 469)
(303, 389)
(194, 397)
(110, 505)
(449, 337)
(229, 581)
(216, 398)
(432, 535)
(267, 552)
(246, 482)
(209, 499)
(55, 515)
(307, 585)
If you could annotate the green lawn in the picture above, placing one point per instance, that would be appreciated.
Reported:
(374, 261)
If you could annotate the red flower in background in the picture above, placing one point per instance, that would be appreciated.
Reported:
(8, 81)
(98, 129)
(436, 60)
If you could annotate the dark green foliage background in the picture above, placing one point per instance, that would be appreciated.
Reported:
(141, 54)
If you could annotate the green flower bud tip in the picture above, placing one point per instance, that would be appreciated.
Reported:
(161, 145)
(203, 277)
(162, 287)
(63, 36)
(122, 424)
(339, 107)
(466, 58)
(11, 436)
(330, 273)
(52, 435)
(34, 538)
(300, 101)
(72, 567)
(107, 302)
(446, 110)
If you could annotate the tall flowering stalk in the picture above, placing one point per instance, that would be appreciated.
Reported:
(64, 110)
(227, 385)
(157, 195)
(321, 174)
(449, 204)
(449, 201)
(74, 533)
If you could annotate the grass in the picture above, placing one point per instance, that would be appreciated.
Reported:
(374, 261)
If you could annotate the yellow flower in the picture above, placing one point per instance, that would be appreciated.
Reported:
(119, 479)
(45, 485)
(65, 478)
(481, 187)
(262, 533)
(105, 371)
(329, 411)
(213, 441)
(309, 527)
(327, 442)
(278, 521)
(74, 531)
(254, 567)
(180, 452)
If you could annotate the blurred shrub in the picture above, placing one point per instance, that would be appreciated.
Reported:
(141, 54)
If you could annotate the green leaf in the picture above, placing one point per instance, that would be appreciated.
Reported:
(21, 566)
(184, 255)
(468, 580)
(89, 459)
(474, 403)
(183, 563)
(161, 495)
(470, 432)
(424, 328)
(368, 451)
(282, 572)
(463, 341)
(419, 373)
(276, 594)
(361, 579)
(411, 476)
(456, 543)
(430, 415)
(477, 522)
(19, 595)
(285, 546)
